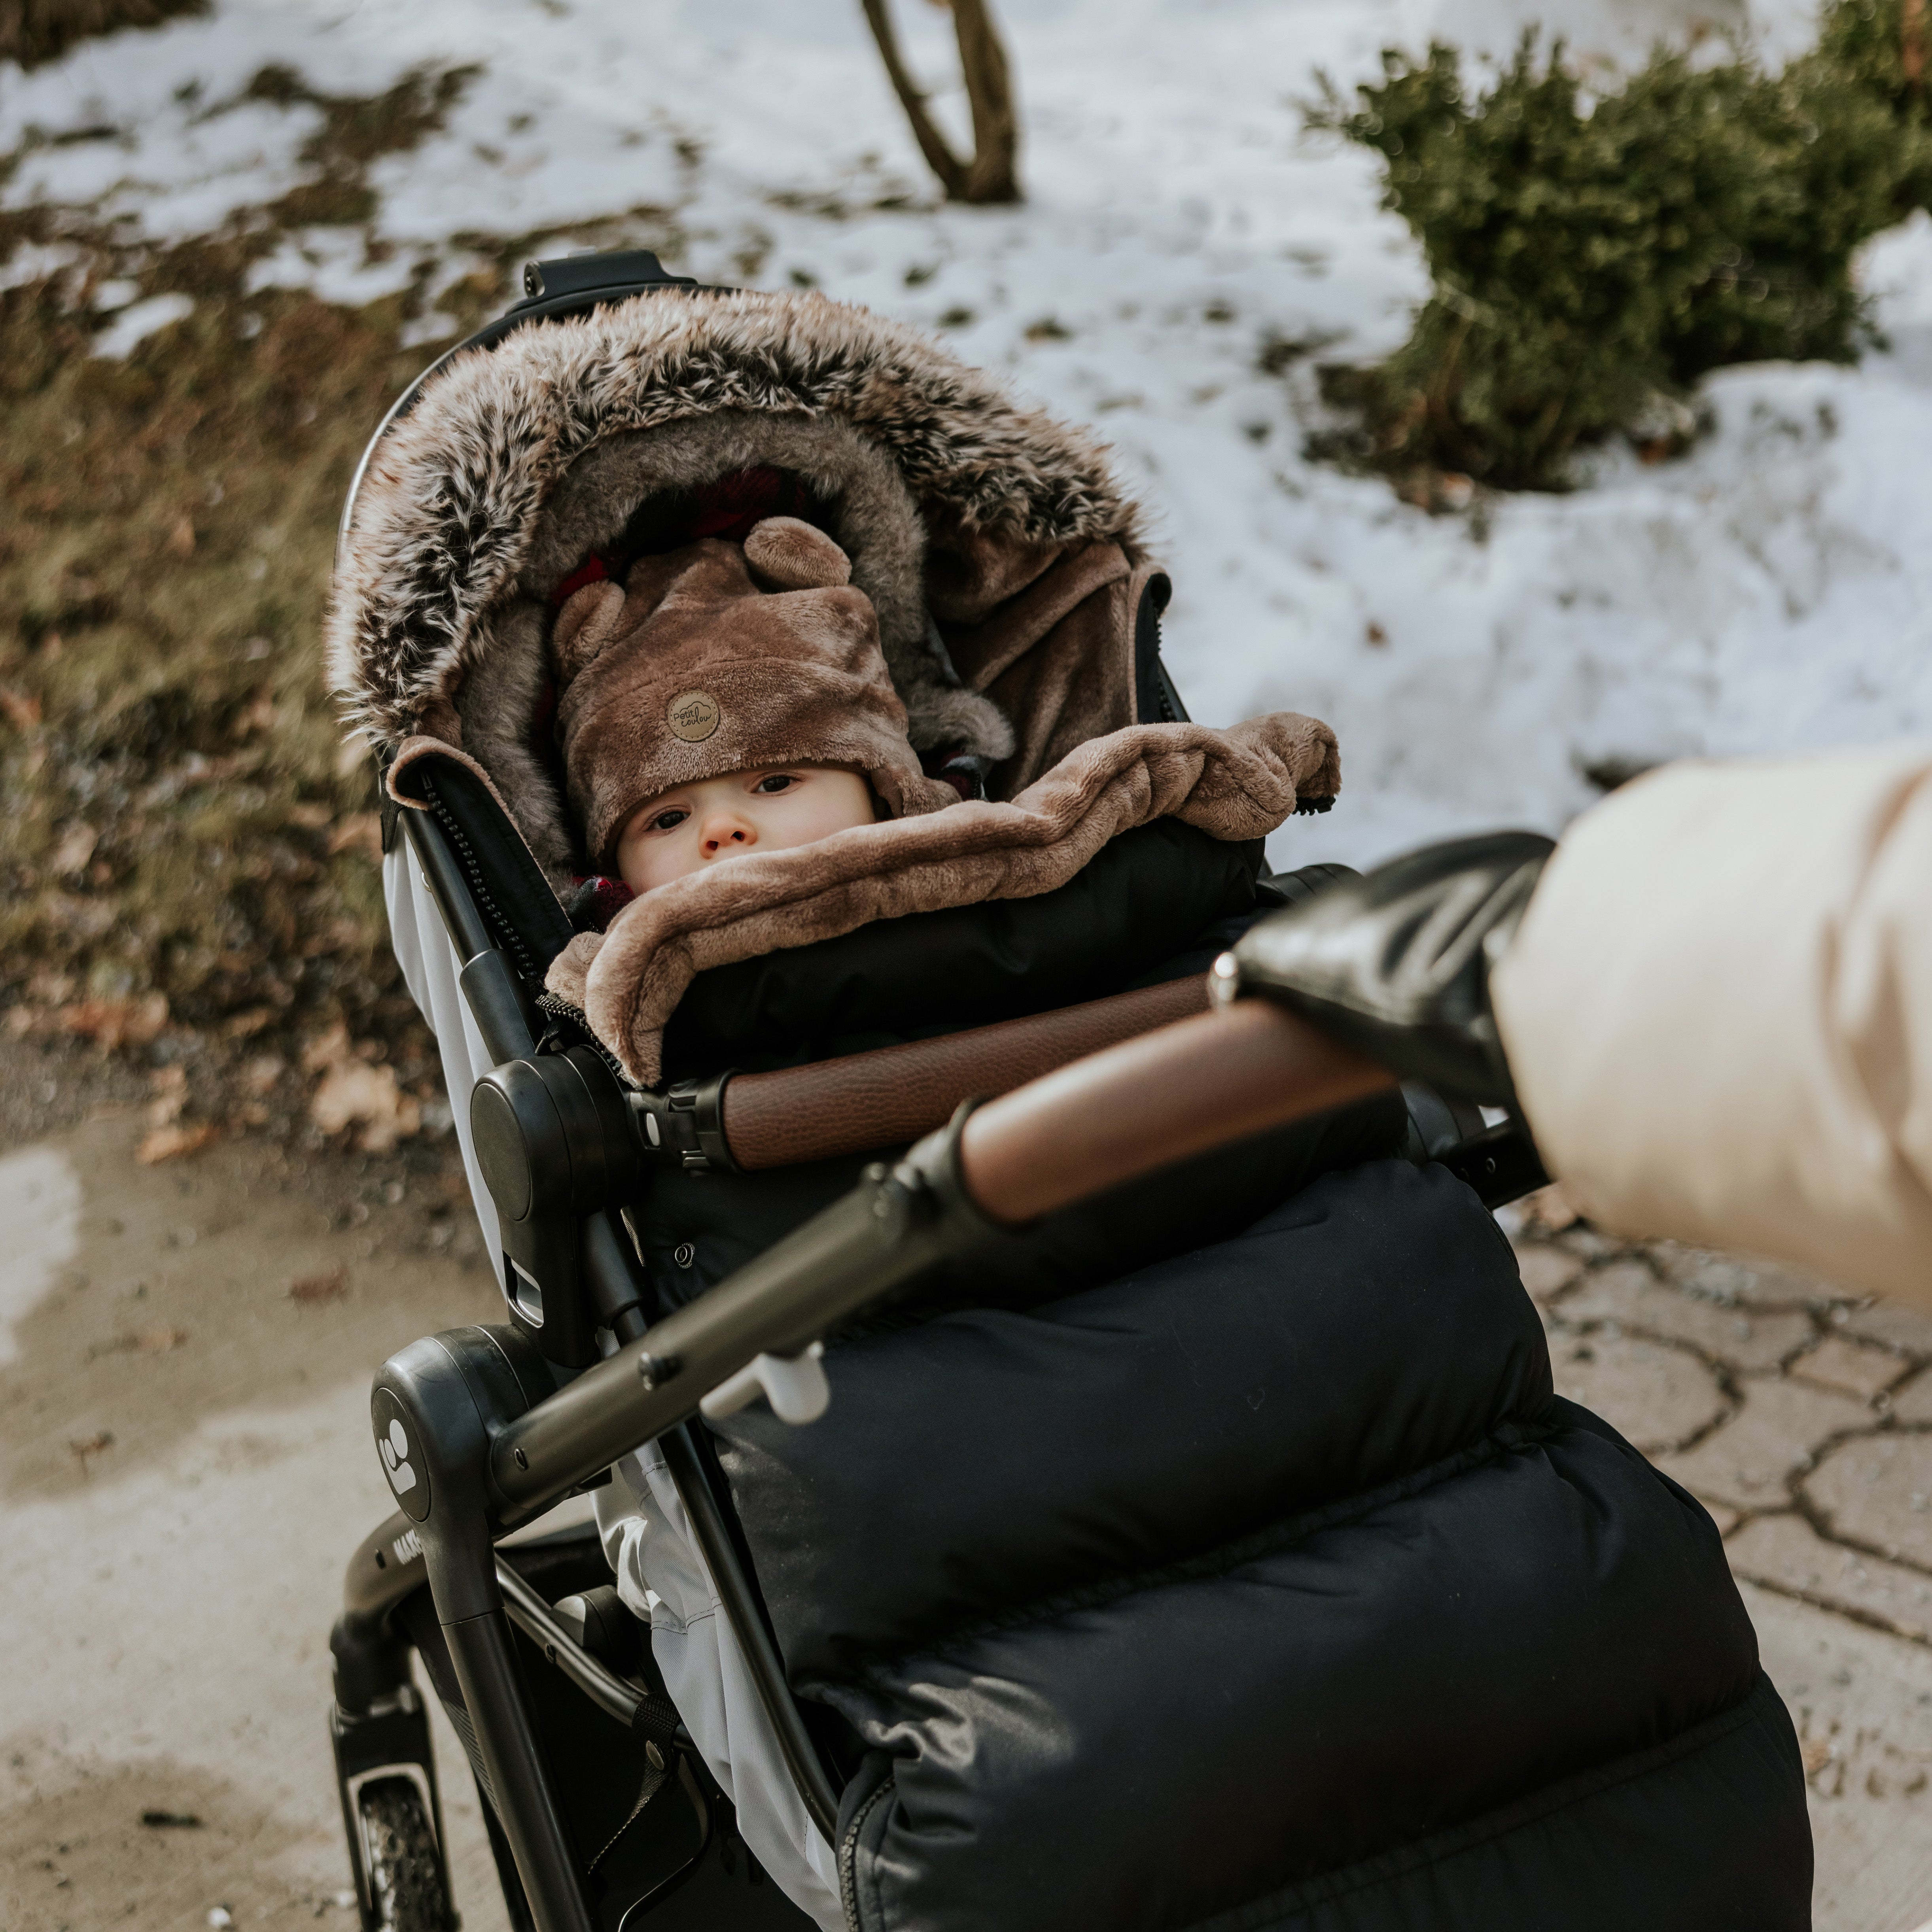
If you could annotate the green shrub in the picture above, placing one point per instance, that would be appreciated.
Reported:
(1588, 257)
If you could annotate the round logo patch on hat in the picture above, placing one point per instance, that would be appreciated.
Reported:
(693, 716)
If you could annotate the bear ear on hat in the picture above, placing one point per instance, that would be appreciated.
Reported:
(584, 626)
(787, 554)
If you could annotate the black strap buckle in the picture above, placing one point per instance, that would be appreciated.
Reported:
(685, 1123)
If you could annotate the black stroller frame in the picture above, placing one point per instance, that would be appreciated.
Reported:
(482, 1433)
(483, 1429)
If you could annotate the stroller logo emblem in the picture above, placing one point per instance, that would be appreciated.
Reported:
(402, 1458)
(395, 1447)
(693, 716)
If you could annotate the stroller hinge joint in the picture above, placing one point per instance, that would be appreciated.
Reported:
(558, 1150)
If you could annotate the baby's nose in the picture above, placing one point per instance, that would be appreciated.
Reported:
(723, 834)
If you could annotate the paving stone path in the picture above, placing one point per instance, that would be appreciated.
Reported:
(1801, 1417)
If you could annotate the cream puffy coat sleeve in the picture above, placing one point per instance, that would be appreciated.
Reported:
(1718, 1011)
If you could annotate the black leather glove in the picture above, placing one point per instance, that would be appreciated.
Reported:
(1396, 964)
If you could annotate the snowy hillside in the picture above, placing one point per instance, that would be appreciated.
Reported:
(1185, 255)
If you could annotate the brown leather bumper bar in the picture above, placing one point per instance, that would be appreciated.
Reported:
(1200, 1084)
(899, 1093)
(1196, 1085)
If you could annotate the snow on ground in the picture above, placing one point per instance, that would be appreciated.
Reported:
(1771, 591)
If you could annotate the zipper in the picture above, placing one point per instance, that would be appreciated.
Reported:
(559, 1012)
(1162, 687)
(848, 1853)
(1172, 711)
(511, 939)
(507, 935)
(1168, 709)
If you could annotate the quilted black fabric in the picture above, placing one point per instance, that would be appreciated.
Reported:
(1219, 1554)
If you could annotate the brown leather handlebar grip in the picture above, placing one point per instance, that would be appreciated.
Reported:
(1199, 1084)
(894, 1095)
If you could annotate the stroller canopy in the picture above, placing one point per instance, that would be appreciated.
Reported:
(1005, 561)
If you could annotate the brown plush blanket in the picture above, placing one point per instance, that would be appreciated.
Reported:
(1235, 785)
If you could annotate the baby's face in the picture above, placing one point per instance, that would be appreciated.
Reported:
(771, 810)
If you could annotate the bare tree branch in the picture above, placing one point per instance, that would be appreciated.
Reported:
(992, 173)
(995, 175)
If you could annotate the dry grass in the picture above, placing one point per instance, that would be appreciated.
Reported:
(171, 774)
(189, 866)
(34, 32)
(354, 132)
(178, 815)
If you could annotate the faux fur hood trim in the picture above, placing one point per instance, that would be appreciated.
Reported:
(451, 504)
(1235, 785)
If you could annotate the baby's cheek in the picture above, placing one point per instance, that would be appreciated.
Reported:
(841, 804)
(643, 863)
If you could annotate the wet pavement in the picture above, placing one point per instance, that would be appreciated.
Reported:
(185, 1353)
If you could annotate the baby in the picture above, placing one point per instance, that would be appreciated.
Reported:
(767, 809)
(728, 699)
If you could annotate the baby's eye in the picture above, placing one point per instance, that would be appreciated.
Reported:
(778, 782)
(669, 820)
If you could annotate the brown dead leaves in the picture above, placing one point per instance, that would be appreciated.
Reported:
(1442, 492)
(137, 1020)
(171, 1143)
(358, 832)
(357, 1092)
(312, 1290)
(72, 850)
(170, 1095)
(148, 1342)
(168, 1136)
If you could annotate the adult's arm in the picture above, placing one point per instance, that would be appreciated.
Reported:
(1716, 1011)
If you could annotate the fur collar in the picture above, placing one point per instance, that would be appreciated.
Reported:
(451, 508)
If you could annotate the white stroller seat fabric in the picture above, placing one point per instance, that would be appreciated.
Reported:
(660, 1575)
(430, 965)
(662, 1578)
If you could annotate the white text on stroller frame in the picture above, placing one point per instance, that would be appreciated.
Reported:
(395, 1448)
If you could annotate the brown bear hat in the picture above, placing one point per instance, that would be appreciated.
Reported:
(720, 658)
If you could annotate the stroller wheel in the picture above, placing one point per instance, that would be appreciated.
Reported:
(407, 1886)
